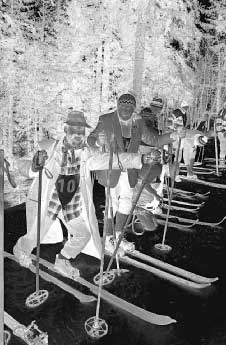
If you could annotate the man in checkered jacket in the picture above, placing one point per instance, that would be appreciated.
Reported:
(221, 133)
(67, 194)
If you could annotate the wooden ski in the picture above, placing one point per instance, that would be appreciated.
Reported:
(185, 197)
(213, 165)
(178, 226)
(185, 203)
(205, 183)
(156, 319)
(183, 167)
(197, 163)
(210, 159)
(182, 192)
(177, 208)
(83, 298)
(163, 274)
(191, 221)
(199, 172)
(173, 269)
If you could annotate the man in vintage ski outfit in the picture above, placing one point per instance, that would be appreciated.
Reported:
(221, 133)
(152, 115)
(130, 131)
(189, 144)
(67, 194)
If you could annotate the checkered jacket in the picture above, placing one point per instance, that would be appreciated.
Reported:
(70, 165)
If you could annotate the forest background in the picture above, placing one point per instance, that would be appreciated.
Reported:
(82, 54)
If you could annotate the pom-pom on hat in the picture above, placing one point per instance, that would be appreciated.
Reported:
(127, 98)
(76, 118)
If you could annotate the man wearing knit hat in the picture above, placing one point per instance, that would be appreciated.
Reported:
(129, 133)
(66, 195)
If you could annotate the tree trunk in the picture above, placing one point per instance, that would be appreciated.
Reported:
(139, 51)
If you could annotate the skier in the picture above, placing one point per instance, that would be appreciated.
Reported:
(193, 139)
(67, 194)
(129, 131)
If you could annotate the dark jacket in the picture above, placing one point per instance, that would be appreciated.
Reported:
(140, 134)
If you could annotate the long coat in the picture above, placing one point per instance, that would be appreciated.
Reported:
(90, 160)
(140, 133)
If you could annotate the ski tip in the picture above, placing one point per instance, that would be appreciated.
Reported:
(213, 280)
(161, 320)
(87, 299)
(169, 321)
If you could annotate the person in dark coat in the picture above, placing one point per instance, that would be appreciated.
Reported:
(130, 132)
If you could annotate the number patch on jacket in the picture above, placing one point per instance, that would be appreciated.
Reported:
(67, 186)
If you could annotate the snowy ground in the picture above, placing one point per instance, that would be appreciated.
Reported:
(200, 316)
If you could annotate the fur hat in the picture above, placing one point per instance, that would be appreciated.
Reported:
(76, 118)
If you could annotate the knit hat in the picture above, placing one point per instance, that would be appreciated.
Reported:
(76, 118)
(127, 98)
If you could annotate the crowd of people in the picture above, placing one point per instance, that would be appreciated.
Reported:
(140, 150)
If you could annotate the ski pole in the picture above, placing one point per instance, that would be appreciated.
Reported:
(216, 148)
(2, 236)
(38, 226)
(96, 321)
(170, 195)
(39, 296)
(114, 235)
(127, 222)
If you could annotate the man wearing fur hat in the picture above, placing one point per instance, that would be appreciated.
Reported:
(129, 133)
(67, 194)
(151, 114)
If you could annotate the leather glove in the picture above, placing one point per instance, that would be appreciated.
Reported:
(39, 160)
(153, 156)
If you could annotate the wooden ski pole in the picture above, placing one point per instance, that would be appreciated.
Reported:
(114, 236)
(94, 326)
(127, 222)
(2, 240)
(216, 148)
(162, 246)
(38, 226)
(39, 296)
(107, 204)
